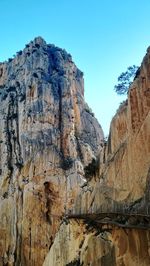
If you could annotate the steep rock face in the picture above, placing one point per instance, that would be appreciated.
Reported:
(96, 247)
(123, 175)
(117, 195)
(48, 135)
(50, 143)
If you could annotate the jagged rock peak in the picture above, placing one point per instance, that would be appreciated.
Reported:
(39, 40)
(48, 136)
(39, 46)
(43, 70)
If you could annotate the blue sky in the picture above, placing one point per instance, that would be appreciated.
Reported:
(104, 37)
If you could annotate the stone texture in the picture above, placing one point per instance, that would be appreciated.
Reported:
(121, 183)
(122, 179)
(82, 247)
(92, 246)
(54, 161)
(47, 136)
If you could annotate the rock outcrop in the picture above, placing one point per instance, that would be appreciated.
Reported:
(109, 223)
(67, 197)
(48, 135)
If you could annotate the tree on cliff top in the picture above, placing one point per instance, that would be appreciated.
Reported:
(125, 79)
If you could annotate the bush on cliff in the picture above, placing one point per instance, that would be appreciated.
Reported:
(125, 79)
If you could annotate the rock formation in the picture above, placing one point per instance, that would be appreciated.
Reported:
(68, 198)
(48, 135)
(110, 221)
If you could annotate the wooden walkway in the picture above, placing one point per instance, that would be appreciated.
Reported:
(125, 220)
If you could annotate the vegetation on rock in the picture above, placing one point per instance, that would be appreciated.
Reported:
(125, 79)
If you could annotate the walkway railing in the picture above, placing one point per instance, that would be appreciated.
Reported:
(125, 220)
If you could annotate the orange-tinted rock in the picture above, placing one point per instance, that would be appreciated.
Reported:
(49, 144)
(121, 185)
(44, 132)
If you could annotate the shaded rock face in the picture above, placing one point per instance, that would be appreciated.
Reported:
(120, 188)
(124, 172)
(48, 135)
(54, 161)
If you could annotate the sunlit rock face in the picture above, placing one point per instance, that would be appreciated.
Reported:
(48, 135)
(124, 170)
(55, 163)
(92, 246)
(121, 184)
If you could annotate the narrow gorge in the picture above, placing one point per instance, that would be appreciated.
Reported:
(68, 197)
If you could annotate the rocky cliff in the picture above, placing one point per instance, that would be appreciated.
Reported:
(48, 135)
(109, 223)
(68, 198)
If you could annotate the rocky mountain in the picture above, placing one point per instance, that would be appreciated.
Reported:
(48, 135)
(109, 223)
(67, 197)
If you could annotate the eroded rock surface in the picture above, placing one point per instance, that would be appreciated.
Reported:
(48, 135)
(55, 167)
(94, 246)
(124, 171)
(114, 204)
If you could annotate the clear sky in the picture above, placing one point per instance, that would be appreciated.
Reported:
(104, 37)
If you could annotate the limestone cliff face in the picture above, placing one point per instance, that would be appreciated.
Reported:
(124, 170)
(106, 221)
(48, 135)
(67, 198)
(77, 245)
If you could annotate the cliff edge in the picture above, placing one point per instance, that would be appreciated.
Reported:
(48, 135)
(109, 223)
(67, 197)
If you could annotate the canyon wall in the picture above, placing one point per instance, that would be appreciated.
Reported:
(55, 167)
(109, 223)
(48, 135)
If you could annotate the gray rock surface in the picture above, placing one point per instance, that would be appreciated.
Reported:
(47, 136)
